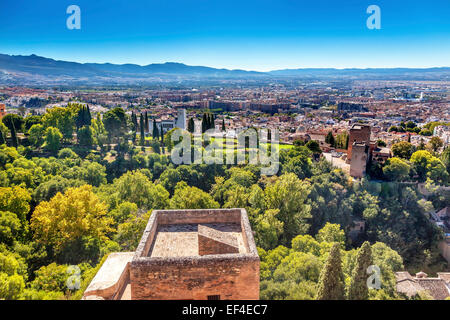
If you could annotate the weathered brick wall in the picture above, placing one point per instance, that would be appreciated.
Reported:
(210, 246)
(359, 161)
(199, 216)
(195, 279)
(358, 135)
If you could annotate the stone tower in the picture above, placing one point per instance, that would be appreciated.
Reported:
(181, 119)
(359, 133)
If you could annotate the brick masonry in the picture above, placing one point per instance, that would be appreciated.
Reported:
(229, 275)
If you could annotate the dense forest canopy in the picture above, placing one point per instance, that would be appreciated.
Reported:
(75, 186)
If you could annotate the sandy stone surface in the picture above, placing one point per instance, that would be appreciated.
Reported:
(181, 240)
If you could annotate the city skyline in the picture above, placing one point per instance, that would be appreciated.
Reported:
(258, 36)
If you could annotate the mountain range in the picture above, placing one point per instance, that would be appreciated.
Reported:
(18, 68)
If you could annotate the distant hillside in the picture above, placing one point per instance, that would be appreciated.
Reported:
(40, 70)
(48, 67)
(369, 72)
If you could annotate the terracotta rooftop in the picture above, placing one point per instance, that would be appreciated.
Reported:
(438, 288)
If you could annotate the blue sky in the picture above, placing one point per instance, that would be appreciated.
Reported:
(253, 35)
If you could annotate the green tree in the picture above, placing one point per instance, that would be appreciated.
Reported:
(330, 139)
(15, 200)
(2, 138)
(436, 143)
(420, 160)
(381, 143)
(204, 123)
(436, 171)
(445, 157)
(331, 280)
(395, 169)
(268, 229)
(155, 133)
(52, 139)
(314, 146)
(10, 227)
(36, 135)
(358, 289)
(13, 120)
(307, 244)
(402, 149)
(428, 166)
(137, 188)
(65, 218)
(85, 136)
(331, 233)
(146, 122)
(191, 125)
(142, 130)
(115, 122)
(14, 139)
(186, 197)
(288, 194)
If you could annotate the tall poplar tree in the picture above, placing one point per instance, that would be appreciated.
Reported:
(15, 141)
(358, 289)
(2, 139)
(141, 123)
(331, 280)
(191, 125)
(155, 133)
(204, 123)
(330, 139)
(146, 122)
(88, 117)
(211, 121)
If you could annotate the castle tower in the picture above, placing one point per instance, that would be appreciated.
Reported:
(359, 133)
(360, 156)
(2, 110)
(181, 119)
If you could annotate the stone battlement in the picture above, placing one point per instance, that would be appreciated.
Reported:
(194, 254)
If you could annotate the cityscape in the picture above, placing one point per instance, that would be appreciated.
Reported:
(157, 180)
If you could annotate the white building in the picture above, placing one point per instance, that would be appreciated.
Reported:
(169, 124)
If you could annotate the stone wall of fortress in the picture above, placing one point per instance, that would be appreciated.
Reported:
(195, 278)
(230, 276)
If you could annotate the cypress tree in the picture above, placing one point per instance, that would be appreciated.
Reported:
(211, 121)
(141, 123)
(2, 139)
(79, 119)
(191, 125)
(331, 280)
(204, 123)
(134, 121)
(83, 116)
(146, 122)
(223, 124)
(358, 289)
(88, 117)
(155, 130)
(15, 141)
(330, 139)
